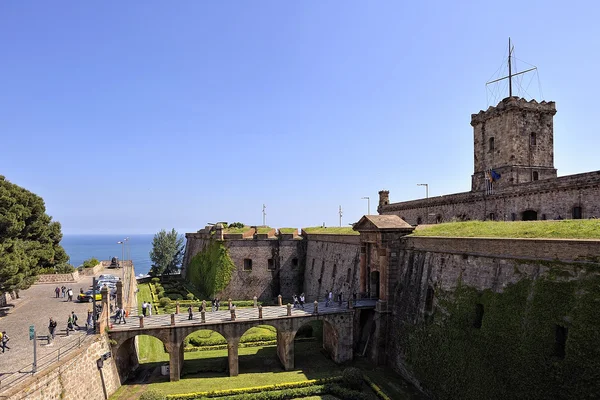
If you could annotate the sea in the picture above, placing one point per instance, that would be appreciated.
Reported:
(104, 247)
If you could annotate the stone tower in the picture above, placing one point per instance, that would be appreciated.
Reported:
(516, 140)
(384, 199)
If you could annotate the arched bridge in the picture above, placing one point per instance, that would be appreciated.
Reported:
(338, 321)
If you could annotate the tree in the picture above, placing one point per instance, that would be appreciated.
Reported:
(29, 239)
(167, 252)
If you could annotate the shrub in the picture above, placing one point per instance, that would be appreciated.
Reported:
(90, 263)
(352, 378)
(175, 296)
(152, 394)
(165, 301)
(155, 280)
(64, 268)
(345, 393)
(190, 296)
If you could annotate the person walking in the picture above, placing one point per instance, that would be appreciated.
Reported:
(70, 295)
(123, 315)
(295, 300)
(340, 299)
(144, 306)
(118, 316)
(52, 328)
(70, 324)
(74, 318)
(190, 315)
(329, 298)
(57, 291)
(302, 300)
(213, 304)
(5, 340)
(89, 323)
(217, 304)
(64, 291)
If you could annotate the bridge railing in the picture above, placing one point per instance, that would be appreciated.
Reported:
(9, 380)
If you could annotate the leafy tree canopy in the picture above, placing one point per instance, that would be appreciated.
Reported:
(29, 239)
(167, 252)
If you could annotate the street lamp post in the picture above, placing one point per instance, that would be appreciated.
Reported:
(426, 189)
(122, 243)
(127, 248)
(368, 204)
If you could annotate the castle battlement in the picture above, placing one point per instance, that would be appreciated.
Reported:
(513, 103)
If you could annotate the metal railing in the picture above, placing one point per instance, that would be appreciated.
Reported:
(9, 380)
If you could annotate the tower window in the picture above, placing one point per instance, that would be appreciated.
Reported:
(536, 175)
(491, 144)
(295, 262)
(577, 212)
(270, 264)
(419, 221)
(533, 139)
(492, 217)
(247, 264)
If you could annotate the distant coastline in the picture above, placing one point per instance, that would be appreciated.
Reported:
(80, 247)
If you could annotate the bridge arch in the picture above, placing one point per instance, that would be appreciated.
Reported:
(126, 352)
(203, 336)
(264, 331)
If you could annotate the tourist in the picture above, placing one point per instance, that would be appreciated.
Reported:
(52, 328)
(340, 299)
(302, 300)
(144, 306)
(213, 304)
(64, 291)
(57, 291)
(329, 298)
(74, 318)
(190, 315)
(4, 341)
(295, 300)
(70, 324)
(70, 295)
(217, 304)
(89, 323)
(118, 316)
(123, 315)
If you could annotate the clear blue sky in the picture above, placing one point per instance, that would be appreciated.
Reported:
(129, 117)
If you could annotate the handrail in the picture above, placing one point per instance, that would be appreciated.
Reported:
(11, 379)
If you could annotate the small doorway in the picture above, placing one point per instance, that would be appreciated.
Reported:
(529, 215)
(375, 284)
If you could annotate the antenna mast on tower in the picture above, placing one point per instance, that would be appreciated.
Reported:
(510, 74)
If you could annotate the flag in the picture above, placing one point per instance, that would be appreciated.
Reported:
(494, 175)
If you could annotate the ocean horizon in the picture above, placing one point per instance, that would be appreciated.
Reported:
(81, 247)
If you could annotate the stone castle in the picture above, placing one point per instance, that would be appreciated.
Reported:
(515, 139)
(447, 306)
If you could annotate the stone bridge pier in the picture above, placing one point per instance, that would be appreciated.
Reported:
(337, 340)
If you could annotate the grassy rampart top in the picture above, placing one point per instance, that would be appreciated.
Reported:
(331, 231)
(236, 230)
(565, 229)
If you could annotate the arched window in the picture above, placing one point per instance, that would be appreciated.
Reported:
(533, 139)
(491, 144)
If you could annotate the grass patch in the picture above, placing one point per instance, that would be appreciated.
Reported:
(263, 229)
(151, 349)
(287, 230)
(236, 230)
(332, 231)
(143, 294)
(566, 229)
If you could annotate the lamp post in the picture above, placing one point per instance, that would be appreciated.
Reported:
(126, 240)
(122, 243)
(426, 189)
(368, 204)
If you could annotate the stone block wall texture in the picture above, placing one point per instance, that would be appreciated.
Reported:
(332, 263)
(94, 270)
(447, 263)
(75, 377)
(514, 154)
(58, 278)
(265, 281)
(550, 199)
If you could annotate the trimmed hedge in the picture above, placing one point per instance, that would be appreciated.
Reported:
(376, 389)
(256, 389)
(192, 349)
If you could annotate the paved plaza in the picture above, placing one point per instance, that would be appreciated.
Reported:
(35, 307)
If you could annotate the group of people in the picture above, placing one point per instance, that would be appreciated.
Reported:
(4, 341)
(146, 308)
(71, 324)
(68, 293)
(329, 298)
(216, 303)
(299, 300)
(120, 315)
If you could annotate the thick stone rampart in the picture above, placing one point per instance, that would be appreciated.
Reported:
(332, 263)
(549, 199)
(75, 377)
(94, 270)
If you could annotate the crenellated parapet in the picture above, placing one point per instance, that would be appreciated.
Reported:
(513, 103)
